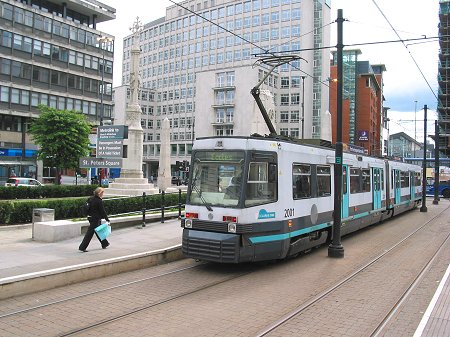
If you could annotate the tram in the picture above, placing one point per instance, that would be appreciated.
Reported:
(260, 198)
(269, 197)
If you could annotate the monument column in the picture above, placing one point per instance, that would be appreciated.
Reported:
(132, 165)
(132, 181)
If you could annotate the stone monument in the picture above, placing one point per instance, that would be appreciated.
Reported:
(164, 171)
(131, 181)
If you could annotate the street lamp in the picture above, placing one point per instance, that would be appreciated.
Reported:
(103, 41)
(303, 107)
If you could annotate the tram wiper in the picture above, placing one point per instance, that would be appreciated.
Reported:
(196, 189)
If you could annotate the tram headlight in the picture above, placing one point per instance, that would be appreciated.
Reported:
(188, 223)
(232, 227)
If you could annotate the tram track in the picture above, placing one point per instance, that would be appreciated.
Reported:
(90, 293)
(378, 330)
(50, 309)
(148, 306)
(207, 293)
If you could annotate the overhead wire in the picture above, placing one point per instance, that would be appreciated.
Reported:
(266, 51)
(412, 57)
(324, 82)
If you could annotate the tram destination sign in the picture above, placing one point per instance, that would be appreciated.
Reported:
(100, 162)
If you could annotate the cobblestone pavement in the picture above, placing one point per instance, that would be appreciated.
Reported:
(254, 296)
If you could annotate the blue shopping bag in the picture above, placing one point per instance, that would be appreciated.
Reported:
(103, 231)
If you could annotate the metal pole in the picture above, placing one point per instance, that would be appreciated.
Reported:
(423, 208)
(303, 107)
(335, 249)
(143, 208)
(436, 163)
(162, 206)
(179, 204)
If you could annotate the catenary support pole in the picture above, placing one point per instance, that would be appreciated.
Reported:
(336, 249)
(424, 208)
(436, 163)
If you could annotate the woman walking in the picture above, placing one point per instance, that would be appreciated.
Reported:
(95, 214)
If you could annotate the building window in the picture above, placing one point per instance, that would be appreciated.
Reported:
(284, 82)
(284, 99)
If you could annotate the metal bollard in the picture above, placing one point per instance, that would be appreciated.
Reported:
(162, 206)
(179, 204)
(143, 208)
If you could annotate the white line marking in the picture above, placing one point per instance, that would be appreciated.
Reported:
(431, 306)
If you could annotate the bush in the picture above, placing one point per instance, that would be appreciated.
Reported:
(20, 211)
(46, 191)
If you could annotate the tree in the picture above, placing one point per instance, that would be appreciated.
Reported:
(62, 137)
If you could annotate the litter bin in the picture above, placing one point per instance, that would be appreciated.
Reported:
(42, 214)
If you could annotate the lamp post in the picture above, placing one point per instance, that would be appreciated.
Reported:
(303, 107)
(103, 40)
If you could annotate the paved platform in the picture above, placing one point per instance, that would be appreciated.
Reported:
(436, 319)
(27, 266)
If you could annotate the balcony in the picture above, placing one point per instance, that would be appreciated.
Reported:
(223, 104)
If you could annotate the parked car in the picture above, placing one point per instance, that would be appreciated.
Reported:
(17, 181)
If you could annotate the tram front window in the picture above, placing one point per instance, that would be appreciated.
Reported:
(216, 178)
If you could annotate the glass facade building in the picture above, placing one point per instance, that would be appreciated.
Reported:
(199, 61)
(51, 54)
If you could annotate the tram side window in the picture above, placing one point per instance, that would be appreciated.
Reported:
(354, 180)
(301, 180)
(365, 180)
(323, 180)
(418, 181)
(262, 183)
(404, 179)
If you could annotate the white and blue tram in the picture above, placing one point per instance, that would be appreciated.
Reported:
(256, 198)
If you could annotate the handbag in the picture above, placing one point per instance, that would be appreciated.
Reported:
(103, 231)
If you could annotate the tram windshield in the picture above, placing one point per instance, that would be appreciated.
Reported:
(216, 178)
(220, 179)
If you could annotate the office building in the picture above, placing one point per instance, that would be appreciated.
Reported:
(200, 63)
(52, 54)
(363, 114)
(443, 107)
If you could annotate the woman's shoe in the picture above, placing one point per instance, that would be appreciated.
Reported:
(105, 246)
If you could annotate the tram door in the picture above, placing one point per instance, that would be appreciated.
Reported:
(376, 187)
(397, 187)
(412, 186)
(345, 192)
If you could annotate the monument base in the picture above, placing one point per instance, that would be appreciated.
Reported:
(130, 187)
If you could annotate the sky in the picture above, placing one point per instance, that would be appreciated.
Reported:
(410, 80)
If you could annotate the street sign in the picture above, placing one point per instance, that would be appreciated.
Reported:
(100, 162)
(112, 132)
(112, 148)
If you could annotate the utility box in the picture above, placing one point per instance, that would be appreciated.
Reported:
(42, 214)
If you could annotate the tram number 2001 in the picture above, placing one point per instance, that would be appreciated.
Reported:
(288, 212)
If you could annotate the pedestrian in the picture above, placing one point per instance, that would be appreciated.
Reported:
(95, 214)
